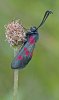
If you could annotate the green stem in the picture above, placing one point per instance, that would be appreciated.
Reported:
(15, 92)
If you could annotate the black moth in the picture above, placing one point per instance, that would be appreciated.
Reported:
(25, 53)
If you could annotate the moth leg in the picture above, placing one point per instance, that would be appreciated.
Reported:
(25, 40)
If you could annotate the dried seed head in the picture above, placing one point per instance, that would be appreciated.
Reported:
(15, 33)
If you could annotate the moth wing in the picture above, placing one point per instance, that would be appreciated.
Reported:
(23, 56)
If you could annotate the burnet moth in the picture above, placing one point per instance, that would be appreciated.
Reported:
(26, 52)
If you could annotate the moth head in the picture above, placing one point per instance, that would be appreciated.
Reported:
(33, 29)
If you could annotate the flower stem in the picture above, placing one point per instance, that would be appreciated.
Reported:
(15, 92)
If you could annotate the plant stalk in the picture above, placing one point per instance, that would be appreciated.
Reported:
(15, 91)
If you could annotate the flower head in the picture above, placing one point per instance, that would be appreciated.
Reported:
(15, 33)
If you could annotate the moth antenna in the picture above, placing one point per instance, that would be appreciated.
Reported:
(44, 18)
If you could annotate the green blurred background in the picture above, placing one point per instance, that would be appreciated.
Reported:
(40, 79)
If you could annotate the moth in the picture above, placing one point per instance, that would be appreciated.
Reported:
(26, 52)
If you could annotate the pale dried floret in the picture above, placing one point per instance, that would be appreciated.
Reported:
(15, 33)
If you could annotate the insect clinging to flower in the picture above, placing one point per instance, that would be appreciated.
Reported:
(28, 40)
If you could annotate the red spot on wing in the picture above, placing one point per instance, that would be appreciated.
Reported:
(25, 49)
(27, 53)
(31, 40)
(19, 57)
